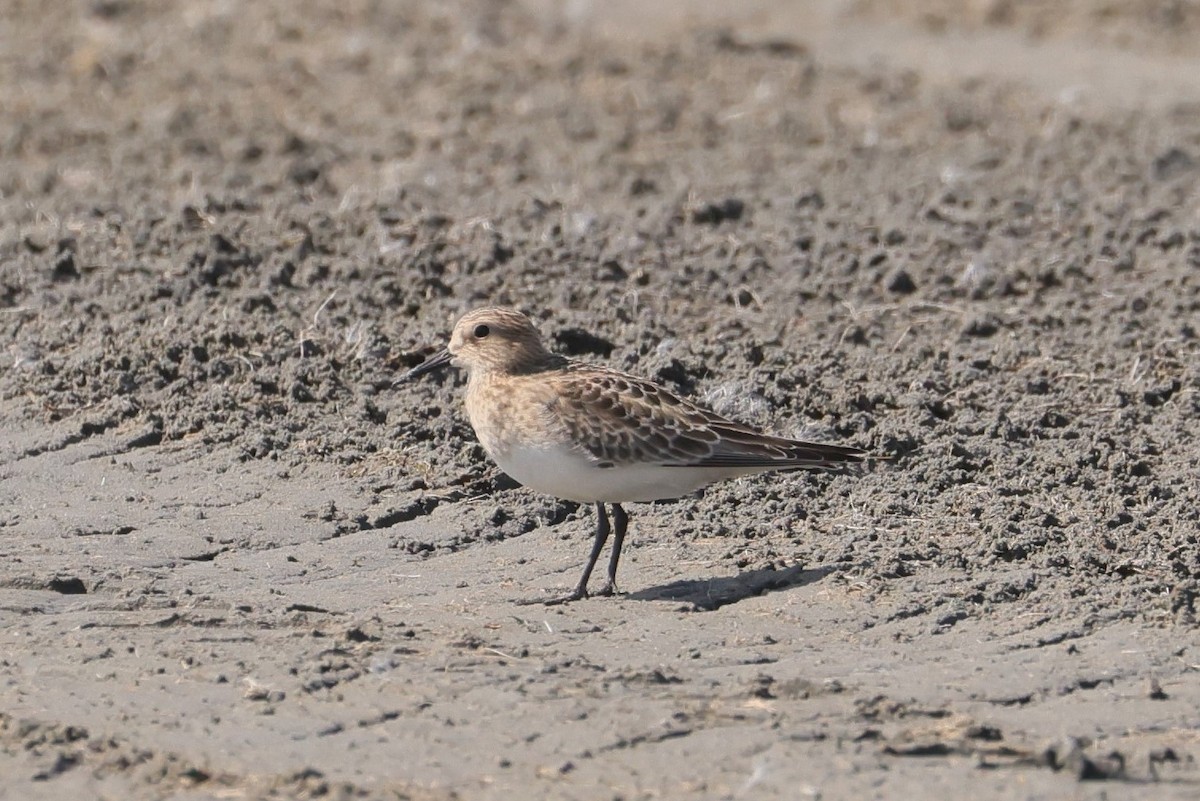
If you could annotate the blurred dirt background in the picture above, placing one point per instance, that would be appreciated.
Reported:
(234, 562)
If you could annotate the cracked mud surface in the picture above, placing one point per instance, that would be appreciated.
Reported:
(235, 561)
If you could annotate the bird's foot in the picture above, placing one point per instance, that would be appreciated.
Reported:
(609, 588)
(577, 594)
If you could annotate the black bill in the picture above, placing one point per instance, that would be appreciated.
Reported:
(435, 362)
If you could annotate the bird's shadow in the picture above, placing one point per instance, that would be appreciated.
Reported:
(705, 595)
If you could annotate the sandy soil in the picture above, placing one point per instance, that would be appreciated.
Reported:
(234, 562)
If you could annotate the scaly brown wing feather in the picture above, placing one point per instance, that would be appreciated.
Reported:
(622, 419)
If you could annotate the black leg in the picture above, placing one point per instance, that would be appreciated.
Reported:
(602, 530)
(622, 523)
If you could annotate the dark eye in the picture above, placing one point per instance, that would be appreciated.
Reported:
(482, 331)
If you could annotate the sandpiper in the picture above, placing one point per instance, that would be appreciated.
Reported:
(594, 435)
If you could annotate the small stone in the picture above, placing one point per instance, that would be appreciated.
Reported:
(714, 213)
(901, 283)
(981, 326)
(1173, 163)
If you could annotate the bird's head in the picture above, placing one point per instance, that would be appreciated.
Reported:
(492, 339)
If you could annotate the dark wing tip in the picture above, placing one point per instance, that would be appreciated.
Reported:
(783, 455)
(812, 451)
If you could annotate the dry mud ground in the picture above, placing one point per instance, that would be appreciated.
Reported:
(234, 562)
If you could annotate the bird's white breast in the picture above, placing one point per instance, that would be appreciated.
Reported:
(563, 473)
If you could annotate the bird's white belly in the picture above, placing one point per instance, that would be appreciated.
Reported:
(565, 474)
